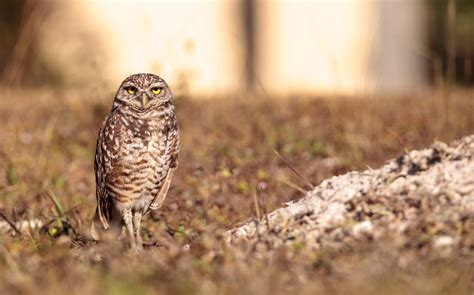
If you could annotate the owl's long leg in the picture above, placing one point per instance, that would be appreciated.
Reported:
(127, 218)
(137, 219)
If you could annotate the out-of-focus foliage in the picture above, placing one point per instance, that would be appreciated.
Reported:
(40, 44)
(438, 27)
(10, 17)
(464, 25)
(20, 60)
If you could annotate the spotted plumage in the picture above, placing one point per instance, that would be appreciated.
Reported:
(136, 154)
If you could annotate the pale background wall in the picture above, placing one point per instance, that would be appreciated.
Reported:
(320, 46)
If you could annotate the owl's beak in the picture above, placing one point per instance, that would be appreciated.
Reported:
(144, 99)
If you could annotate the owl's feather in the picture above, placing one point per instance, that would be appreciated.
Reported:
(136, 154)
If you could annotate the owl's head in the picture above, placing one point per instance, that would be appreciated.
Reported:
(142, 92)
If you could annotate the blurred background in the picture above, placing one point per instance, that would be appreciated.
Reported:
(213, 48)
(287, 73)
(331, 85)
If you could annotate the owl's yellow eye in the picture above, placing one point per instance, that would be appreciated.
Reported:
(131, 90)
(156, 90)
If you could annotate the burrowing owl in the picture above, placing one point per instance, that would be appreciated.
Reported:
(136, 154)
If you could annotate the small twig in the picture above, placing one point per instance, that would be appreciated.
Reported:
(296, 187)
(265, 208)
(307, 182)
(255, 201)
(399, 139)
(156, 244)
(12, 225)
(264, 205)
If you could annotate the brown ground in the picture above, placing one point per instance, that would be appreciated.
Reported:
(47, 141)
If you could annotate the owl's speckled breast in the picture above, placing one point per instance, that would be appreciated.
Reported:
(145, 158)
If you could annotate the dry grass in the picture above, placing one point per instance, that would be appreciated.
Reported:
(47, 141)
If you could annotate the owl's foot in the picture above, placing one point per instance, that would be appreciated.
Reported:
(137, 219)
(133, 224)
(127, 219)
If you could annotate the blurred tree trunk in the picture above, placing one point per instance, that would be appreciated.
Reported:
(451, 41)
(32, 16)
(248, 29)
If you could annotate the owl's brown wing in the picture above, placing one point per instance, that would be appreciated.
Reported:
(106, 150)
(173, 138)
(160, 197)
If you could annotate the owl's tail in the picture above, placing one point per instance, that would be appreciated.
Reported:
(94, 232)
(99, 232)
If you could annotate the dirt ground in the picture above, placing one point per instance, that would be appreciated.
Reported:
(228, 173)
